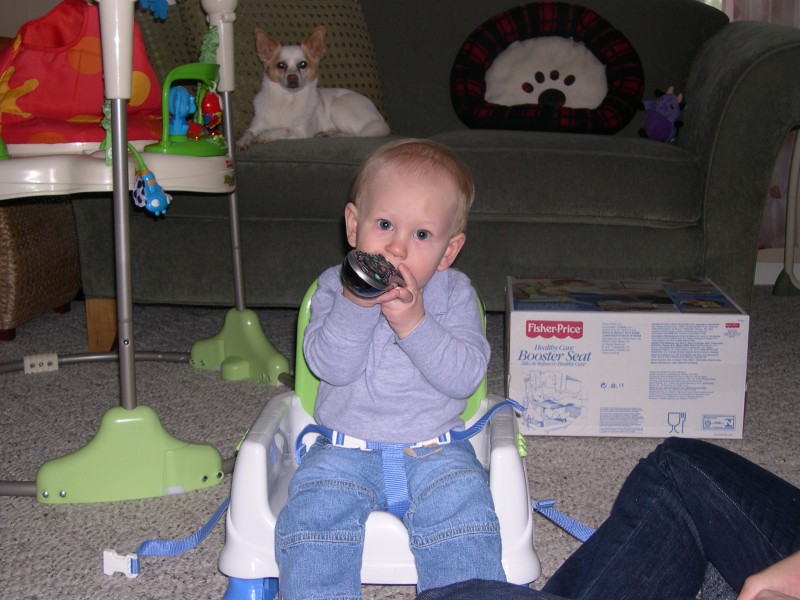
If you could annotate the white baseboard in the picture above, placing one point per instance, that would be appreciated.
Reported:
(770, 265)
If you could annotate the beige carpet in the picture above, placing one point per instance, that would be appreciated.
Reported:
(55, 552)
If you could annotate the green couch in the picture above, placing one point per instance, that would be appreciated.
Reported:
(557, 204)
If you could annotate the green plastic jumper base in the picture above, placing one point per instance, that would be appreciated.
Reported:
(240, 351)
(132, 456)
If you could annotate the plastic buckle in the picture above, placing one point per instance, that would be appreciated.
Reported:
(342, 440)
(119, 563)
(437, 441)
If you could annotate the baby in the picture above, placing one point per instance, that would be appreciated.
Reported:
(395, 372)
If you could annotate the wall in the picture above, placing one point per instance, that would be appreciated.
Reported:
(16, 12)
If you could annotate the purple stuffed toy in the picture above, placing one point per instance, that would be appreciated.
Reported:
(662, 116)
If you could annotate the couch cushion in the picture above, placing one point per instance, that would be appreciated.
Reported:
(349, 61)
(542, 21)
(349, 58)
(307, 179)
(170, 43)
(578, 178)
(542, 177)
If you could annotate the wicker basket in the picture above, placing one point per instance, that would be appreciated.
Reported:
(39, 267)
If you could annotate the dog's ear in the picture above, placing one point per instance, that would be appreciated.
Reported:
(266, 47)
(314, 43)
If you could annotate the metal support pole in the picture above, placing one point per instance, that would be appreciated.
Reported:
(233, 207)
(122, 250)
(222, 14)
(116, 21)
(787, 284)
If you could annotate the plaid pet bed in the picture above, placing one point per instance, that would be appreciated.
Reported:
(623, 70)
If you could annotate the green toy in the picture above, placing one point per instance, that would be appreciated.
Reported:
(198, 135)
(199, 144)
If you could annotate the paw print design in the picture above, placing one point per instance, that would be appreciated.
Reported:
(553, 92)
(550, 71)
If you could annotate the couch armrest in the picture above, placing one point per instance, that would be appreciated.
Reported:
(742, 99)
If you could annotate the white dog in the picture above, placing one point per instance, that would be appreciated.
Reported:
(289, 105)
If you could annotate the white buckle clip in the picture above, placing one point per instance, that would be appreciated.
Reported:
(119, 563)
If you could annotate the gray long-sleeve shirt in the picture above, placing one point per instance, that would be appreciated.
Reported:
(377, 387)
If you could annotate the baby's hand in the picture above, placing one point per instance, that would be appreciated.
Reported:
(403, 307)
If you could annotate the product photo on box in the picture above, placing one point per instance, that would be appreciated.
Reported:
(639, 358)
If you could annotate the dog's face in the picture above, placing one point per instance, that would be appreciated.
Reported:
(292, 67)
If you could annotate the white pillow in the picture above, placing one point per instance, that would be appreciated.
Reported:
(547, 70)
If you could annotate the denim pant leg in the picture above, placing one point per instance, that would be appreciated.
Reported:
(319, 535)
(454, 531)
(747, 517)
(479, 589)
(688, 503)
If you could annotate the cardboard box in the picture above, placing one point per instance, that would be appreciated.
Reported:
(644, 358)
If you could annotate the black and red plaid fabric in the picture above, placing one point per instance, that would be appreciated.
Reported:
(623, 71)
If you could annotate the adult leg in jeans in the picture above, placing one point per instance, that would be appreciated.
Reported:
(687, 504)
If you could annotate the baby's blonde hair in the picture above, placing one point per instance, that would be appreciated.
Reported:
(423, 157)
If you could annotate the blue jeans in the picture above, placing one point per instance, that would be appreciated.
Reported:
(451, 521)
(689, 503)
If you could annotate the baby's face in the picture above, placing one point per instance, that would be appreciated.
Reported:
(409, 219)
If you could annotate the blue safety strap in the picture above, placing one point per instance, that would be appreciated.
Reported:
(173, 547)
(394, 479)
(457, 436)
(394, 473)
(576, 529)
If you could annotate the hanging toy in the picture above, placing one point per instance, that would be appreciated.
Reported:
(210, 106)
(209, 119)
(147, 193)
(158, 7)
(212, 112)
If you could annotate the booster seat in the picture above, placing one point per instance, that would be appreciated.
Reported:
(266, 463)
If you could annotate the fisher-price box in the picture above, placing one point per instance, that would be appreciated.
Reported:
(639, 358)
